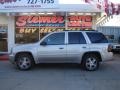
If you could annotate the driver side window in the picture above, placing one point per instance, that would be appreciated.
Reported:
(55, 39)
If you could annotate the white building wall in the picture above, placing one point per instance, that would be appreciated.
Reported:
(3, 19)
(11, 33)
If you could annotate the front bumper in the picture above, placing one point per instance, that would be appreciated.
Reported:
(12, 58)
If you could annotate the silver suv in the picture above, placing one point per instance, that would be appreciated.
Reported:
(87, 48)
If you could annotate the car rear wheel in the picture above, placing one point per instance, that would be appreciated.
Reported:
(90, 62)
(24, 61)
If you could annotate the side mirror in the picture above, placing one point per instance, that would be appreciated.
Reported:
(43, 43)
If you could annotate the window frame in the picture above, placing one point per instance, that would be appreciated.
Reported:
(43, 40)
(75, 43)
(96, 33)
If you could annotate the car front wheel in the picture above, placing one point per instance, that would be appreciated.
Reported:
(24, 61)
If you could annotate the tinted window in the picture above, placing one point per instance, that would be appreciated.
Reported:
(55, 39)
(97, 37)
(76, 38)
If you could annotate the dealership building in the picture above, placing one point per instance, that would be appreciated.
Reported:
(23, 22)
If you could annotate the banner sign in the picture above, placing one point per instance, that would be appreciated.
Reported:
(108, 6)
(48, 30)
(28, 4)
(80, 22)
(34, 30)
(30, 24)
(40, 21)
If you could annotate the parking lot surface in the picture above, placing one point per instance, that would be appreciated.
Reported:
(61, 77)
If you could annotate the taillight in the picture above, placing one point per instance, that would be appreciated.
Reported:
(110, 47)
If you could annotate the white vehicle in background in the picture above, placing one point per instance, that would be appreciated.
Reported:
(116, 48)
(87, 48)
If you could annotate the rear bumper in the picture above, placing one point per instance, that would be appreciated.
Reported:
(108, 56)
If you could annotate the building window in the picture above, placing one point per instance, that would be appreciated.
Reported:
(26, 35)
(3, 38)
(29, 29)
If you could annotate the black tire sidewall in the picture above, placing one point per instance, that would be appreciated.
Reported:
(24, 55)
(85, 59)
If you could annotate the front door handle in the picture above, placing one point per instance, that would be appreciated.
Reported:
(61, 48)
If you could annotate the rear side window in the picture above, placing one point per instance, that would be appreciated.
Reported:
(76, 38)
(96, 37)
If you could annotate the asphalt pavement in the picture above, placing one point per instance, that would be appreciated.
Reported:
(61, 77)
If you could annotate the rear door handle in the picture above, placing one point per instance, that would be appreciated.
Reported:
(84, 47)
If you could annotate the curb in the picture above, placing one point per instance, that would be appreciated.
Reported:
(4, 57)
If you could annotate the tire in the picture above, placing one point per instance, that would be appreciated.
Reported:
(24, 61)
(90, 62)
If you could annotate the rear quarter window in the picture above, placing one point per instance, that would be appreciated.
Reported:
(96, 37)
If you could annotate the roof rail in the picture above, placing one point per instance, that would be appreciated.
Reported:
(79, 30)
